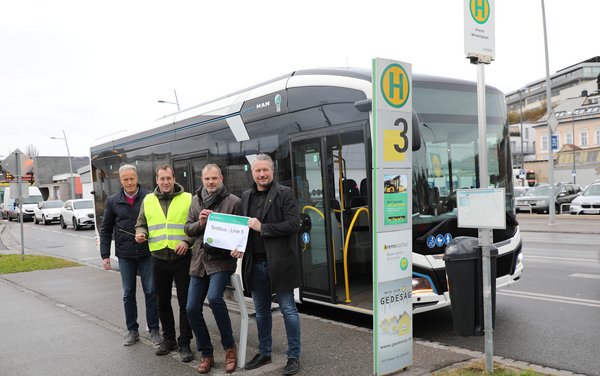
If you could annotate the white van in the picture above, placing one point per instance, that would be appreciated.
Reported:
(10, 209)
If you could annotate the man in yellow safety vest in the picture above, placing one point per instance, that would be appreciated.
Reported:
(161, 222)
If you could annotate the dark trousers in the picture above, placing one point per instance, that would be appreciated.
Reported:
(165, 273)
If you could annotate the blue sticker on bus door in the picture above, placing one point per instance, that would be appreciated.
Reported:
(306, 238)
(447, 238)
(439, 240)
(431, 241)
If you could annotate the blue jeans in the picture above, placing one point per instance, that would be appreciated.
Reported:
(261, 295)
(130, 267)
(212, 286)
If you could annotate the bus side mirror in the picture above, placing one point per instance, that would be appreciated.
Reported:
(416, 132)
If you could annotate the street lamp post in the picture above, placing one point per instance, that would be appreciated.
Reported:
(521, 119)
(175, 103)
(551, 118)
(574, 172)
(70, 163)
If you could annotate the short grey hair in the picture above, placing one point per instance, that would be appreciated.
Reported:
(263, 157)
(127, 167)
(211, 166)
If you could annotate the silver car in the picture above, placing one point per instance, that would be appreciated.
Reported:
(588, 202)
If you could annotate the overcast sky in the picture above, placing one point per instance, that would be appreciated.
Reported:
(95, 68)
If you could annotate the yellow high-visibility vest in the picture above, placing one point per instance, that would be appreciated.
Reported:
(166, 231)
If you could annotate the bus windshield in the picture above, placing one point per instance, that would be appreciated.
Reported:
(449, 157)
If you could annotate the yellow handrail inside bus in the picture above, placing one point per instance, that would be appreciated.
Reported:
(332, 240)
(313, 209)
(360, 210)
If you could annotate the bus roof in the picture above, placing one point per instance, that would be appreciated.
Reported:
(358, 78)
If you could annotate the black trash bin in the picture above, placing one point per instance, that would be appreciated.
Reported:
(465, 282)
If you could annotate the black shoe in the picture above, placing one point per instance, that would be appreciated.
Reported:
(259, 360)
(292, 367)
(186, 353)
(166, 347)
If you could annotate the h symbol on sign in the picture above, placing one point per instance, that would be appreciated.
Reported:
(480, 8)
(394, 85)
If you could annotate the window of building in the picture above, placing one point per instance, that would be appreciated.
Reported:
(584, 138)
(545, 142)
(597, 136)
(569, 138)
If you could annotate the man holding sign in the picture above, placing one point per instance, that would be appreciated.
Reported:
(210, 269)
(271, 263)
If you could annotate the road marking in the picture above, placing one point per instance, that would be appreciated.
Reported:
(581, 275)
(551, 298)
(560, 258)
(527, 241)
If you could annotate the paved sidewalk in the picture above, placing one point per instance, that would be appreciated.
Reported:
(70, 322)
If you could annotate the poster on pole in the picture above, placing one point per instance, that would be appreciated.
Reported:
(481, 208)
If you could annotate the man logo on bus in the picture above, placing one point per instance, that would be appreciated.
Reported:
(480, 10)
(278, 103)
(394, 85)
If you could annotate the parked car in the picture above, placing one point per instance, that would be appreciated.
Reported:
(77, 213)
(47, 212)
(12, 210)
(537, 198)
(588, 202)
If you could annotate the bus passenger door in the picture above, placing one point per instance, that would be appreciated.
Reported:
(331, 183)
(314, 240)
(188, 172)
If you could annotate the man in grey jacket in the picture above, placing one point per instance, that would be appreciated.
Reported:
(210, 271)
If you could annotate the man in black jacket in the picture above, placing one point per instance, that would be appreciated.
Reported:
(271, 263)
(120, 214)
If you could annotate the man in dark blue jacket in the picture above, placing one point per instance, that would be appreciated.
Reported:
(120, 214)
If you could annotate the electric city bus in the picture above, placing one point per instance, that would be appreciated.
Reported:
(316, 125)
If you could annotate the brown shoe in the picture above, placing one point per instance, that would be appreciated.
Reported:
(206, 363)
(230, 360)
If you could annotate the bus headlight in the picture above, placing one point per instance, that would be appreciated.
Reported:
(421, 285)
(520, 259)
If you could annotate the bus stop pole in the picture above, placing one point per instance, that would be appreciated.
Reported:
(485, 234)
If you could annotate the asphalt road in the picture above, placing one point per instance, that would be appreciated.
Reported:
(550, 317)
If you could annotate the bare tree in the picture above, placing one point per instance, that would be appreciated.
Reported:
(32, 151)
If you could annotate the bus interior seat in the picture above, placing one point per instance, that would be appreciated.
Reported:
(350, 191)
(358, 201)
(364, 190)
